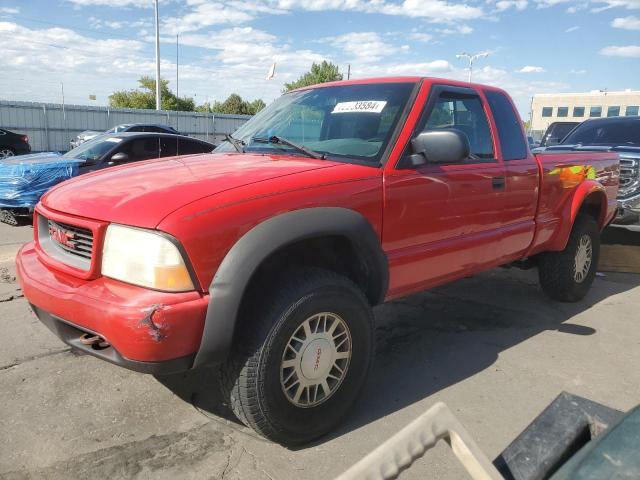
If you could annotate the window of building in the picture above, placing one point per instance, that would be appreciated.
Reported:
(563, 111)
(595, 112)
(547, 111)
(613, 111)
(578, 112)
(632, 110)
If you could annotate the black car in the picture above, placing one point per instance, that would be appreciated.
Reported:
(13, 144)
(556, 132)
(23, 180)
(110, 149)
(125, 127)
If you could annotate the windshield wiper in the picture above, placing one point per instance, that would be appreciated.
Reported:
(236, 142)
(275, 139)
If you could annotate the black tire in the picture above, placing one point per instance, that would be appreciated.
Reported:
(251, 378)
(557, 270)
(10, 152)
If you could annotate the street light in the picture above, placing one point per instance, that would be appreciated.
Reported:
(158, 101)
(471, 59)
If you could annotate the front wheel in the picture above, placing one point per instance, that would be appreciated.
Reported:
(6, 152)
(301, 357)
(567, 275)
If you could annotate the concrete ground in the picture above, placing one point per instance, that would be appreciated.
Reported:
(492, 347)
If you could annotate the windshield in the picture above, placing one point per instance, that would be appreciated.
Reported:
(620, 132)
(348, 121)
(118, 129)
(94, 149)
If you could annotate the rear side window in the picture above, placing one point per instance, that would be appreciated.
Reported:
(189, 147)
(512, 142)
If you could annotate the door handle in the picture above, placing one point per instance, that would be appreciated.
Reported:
(498, 183)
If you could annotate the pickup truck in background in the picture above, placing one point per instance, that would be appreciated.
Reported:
(266, 257)
(555, 132)
(622, 136)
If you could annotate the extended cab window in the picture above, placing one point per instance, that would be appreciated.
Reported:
(464, 113)
(512, 142)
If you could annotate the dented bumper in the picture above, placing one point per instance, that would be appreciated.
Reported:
(147, 331)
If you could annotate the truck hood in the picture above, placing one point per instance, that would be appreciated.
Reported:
(144, 193)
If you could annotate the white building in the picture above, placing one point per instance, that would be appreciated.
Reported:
(547, 108)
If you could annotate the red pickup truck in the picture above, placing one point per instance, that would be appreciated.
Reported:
(266, 257)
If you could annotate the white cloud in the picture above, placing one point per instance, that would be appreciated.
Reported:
(626, 23)
(578, 72)
(420, 37)
(531, 69)
(572, 29)
(9, 10)
(549, 3)
(628, 4)
(205, 13)
(112, 3)
(461, 29)
(362, 45)
(628, 51)
(502, 5)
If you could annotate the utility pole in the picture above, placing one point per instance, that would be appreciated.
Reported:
(471, 59)
(349, 71)
(177, 70)
(158, 99)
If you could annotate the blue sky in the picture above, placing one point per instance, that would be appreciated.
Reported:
(95, 47)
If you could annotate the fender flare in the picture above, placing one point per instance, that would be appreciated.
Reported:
(572, 208)
(254, 247)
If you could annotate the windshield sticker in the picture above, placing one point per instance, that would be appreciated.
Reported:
(368, 106)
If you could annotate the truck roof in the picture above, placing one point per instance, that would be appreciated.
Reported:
(401, 79)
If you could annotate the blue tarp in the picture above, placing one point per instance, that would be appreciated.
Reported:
(24, 179)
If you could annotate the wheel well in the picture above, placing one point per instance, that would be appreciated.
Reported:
(335, 253)
(594, 206)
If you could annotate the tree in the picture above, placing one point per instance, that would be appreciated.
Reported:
(319, 73)
(145, 97)
(234, 105)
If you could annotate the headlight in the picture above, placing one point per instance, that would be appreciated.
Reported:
(145, 258)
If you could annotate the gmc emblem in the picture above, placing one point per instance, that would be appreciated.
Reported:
(62, 236)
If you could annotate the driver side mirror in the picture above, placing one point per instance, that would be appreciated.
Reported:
(440, 146)
(119, 157)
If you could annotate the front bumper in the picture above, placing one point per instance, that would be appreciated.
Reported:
(628, 211)
(148, 331)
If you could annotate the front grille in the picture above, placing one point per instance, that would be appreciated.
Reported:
(629, 176)
(79, 241)
(66, 243)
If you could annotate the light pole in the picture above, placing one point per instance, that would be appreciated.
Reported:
(471, 59)
(158, 100)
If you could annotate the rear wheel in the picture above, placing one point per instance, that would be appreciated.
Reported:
(567, 275)
(6, 152)
(301, 358)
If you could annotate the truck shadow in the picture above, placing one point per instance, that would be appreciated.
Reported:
(435, 339)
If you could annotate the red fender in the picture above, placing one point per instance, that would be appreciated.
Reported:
(572, 205)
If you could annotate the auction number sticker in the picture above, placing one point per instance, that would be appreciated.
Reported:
(369, 106)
